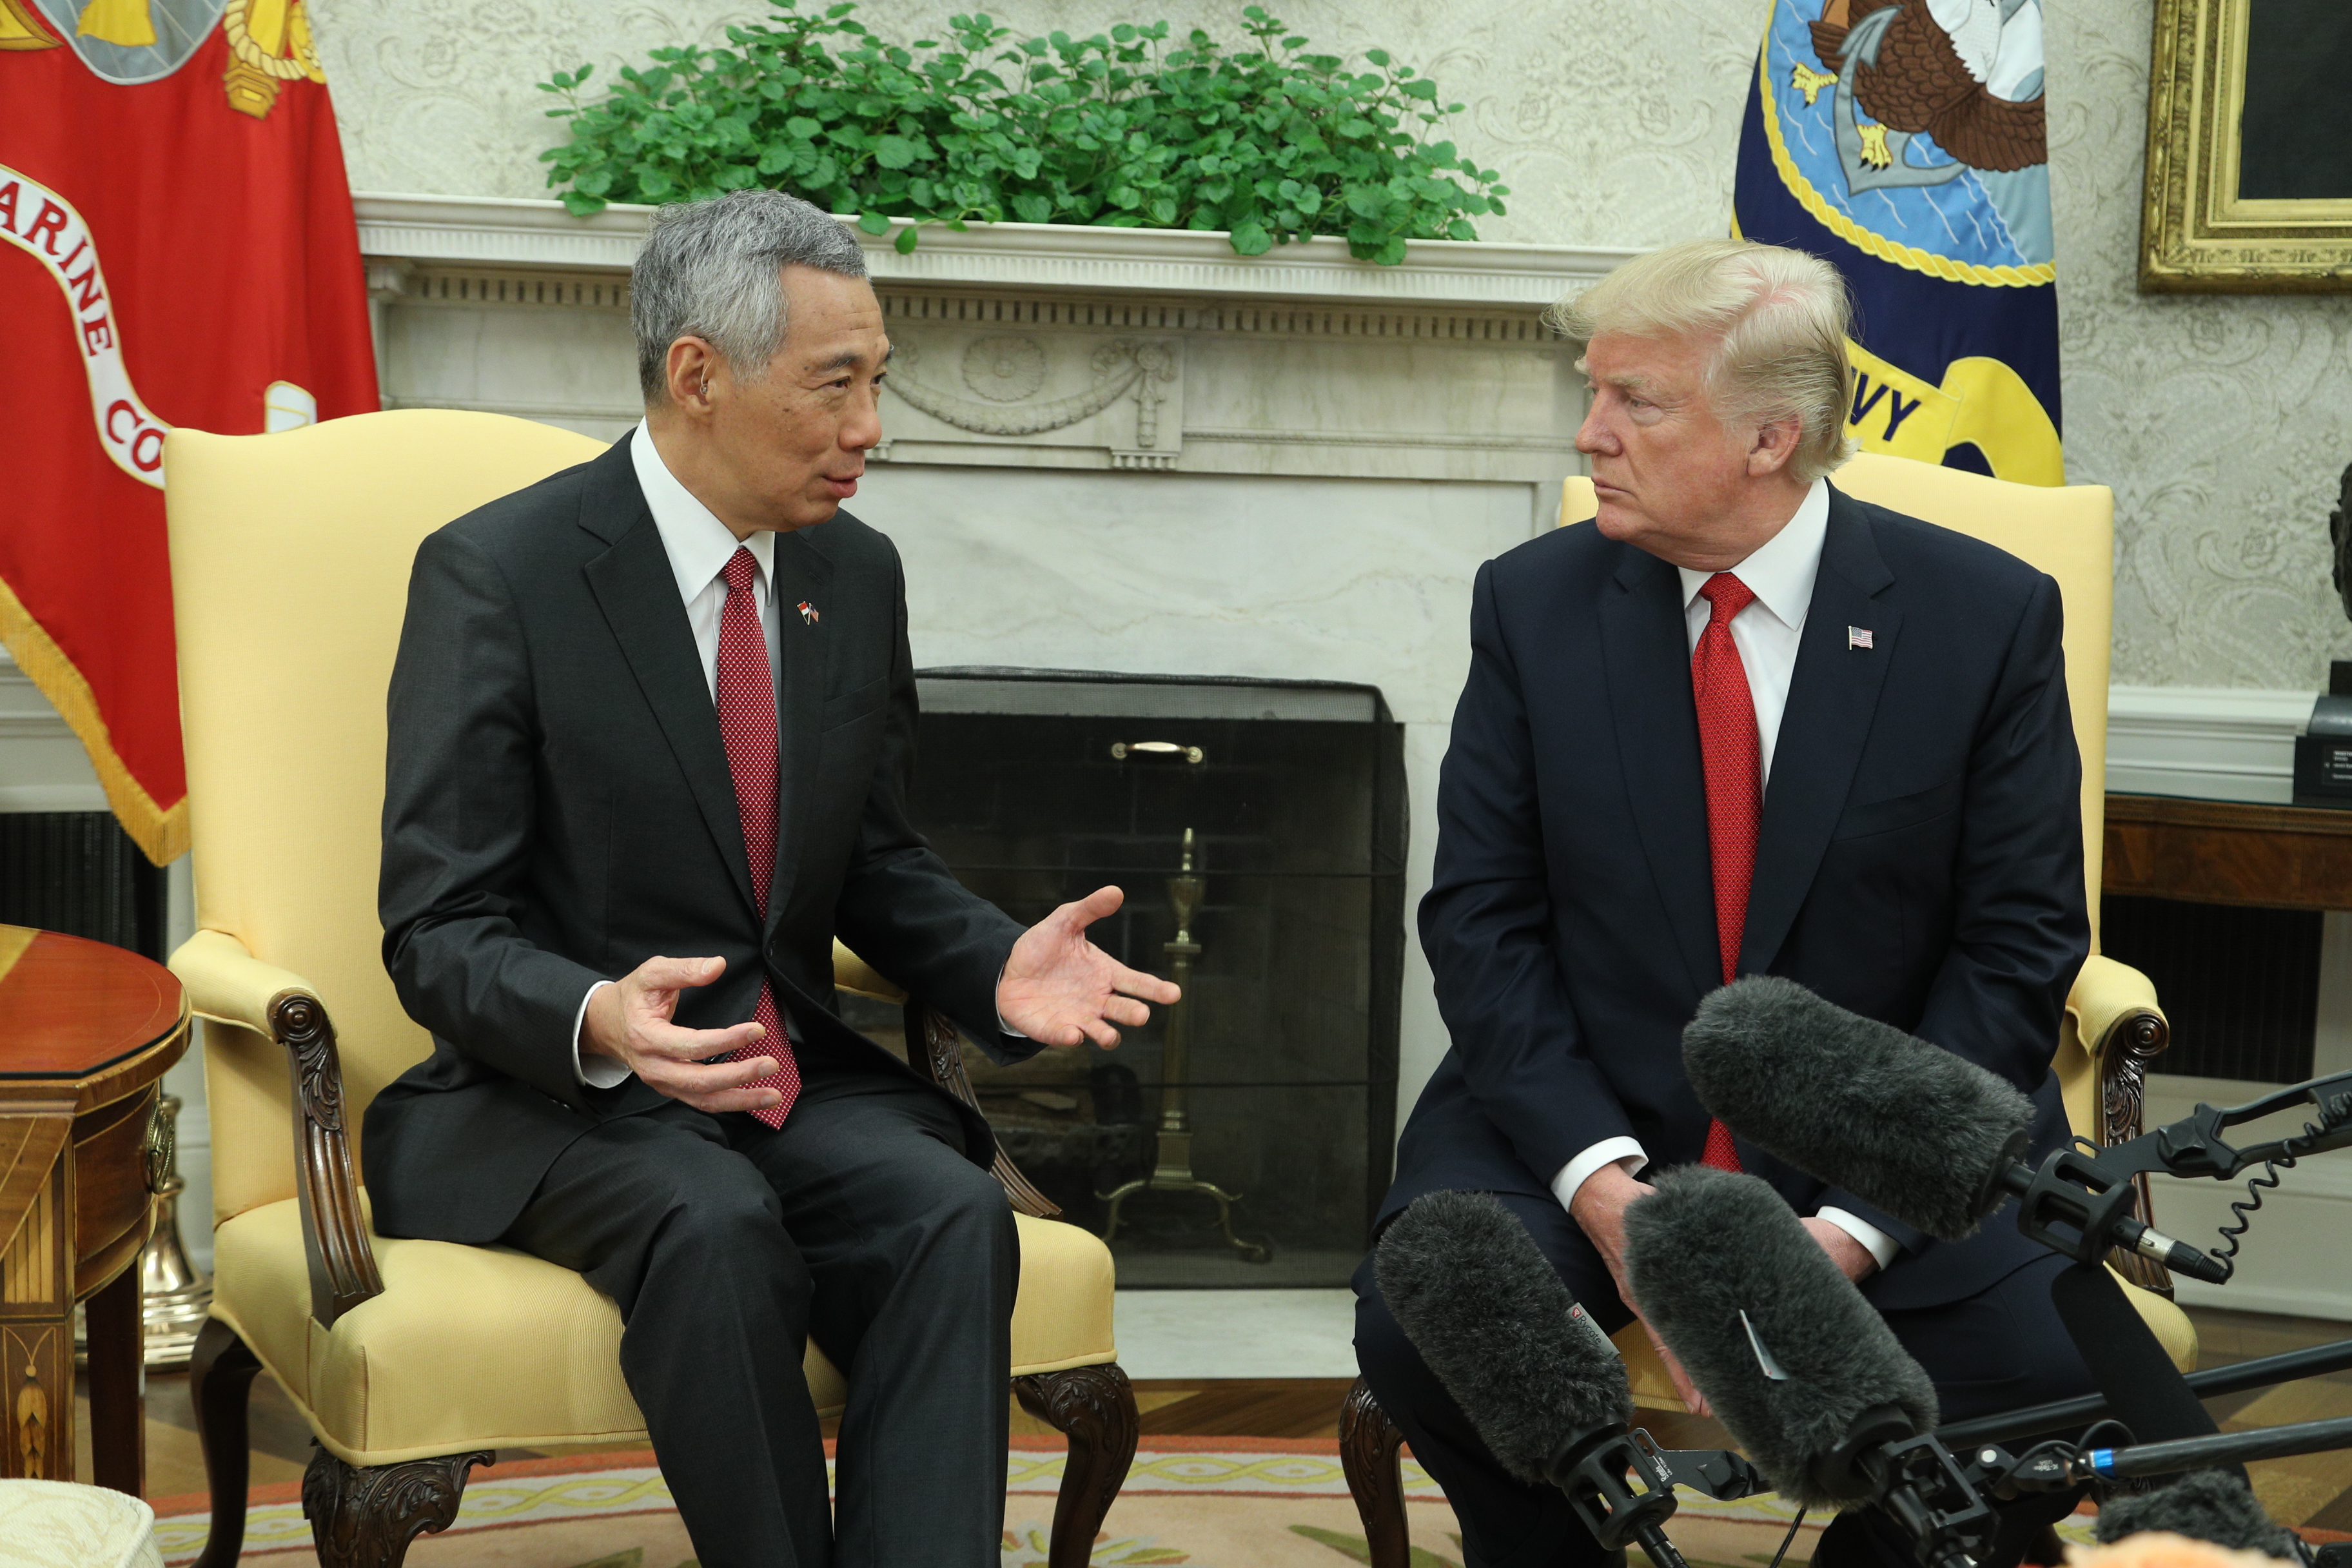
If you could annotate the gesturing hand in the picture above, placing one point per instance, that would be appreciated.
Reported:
(629, 1021)
(1598, 1210)
(1060, 989)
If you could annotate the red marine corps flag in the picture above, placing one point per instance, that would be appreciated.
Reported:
(179, 250)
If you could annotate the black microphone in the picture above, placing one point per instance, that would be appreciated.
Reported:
(1532, 1371)
(2204, 1505)
(1810, 1382)
(1926, 1135)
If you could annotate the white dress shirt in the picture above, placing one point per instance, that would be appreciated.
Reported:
(698, 546)
(1780, 573)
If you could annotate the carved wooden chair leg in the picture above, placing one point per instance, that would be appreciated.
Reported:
(365, 1518)
(1368, 1442)
(1094, 1407)
(220, 1376)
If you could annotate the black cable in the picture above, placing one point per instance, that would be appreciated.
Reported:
(1785, 1539)
(2243, 1210)
(2114, 1434)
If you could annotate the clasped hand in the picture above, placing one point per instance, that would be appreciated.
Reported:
(1058, 988)
(1598, 1210)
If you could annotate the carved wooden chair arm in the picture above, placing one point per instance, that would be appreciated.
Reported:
(936, 1050)
(2120, 1025)
(229, 985)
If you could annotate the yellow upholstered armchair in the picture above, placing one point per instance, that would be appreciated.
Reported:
(414, 1361)
(2112, 1025)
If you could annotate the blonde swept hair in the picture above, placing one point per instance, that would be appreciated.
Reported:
(1778, 318)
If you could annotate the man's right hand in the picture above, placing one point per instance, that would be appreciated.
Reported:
(629, 1022)
(1599, 1208)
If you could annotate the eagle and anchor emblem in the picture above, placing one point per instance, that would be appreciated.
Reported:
(1902, 121)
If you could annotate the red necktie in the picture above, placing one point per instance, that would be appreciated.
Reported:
(747, 719)
(1735, 791)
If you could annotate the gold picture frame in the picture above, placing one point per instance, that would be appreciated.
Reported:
(2197, 234)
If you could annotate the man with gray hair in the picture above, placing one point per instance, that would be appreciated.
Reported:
(1740, 723)
(662, 704)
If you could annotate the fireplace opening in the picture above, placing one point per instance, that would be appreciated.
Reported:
(1243, 1136)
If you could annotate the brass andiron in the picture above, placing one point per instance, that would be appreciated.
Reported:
(1174, 1171)
(174, 1299)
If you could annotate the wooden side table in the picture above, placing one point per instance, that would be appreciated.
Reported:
(86, 1032)
(2229, 852)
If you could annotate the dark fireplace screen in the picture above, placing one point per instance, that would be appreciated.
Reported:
(1259, 828)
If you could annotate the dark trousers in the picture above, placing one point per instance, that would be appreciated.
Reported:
(1998, 1350)
(860, 1225)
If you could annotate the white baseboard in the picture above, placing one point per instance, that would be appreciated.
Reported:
(2215, 743)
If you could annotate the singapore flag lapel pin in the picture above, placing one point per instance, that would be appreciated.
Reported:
(810, 616)
(1855, 637)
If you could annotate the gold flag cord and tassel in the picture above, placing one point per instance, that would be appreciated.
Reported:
(269, 44)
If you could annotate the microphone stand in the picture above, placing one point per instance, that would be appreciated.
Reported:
(1622, 1485)
(2078, 1205)
(2056, 1466)
(2316, 1361)
(2059, 1466)
(1915, 1481)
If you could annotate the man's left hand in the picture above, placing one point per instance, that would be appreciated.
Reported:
(1060, 989)
(1853, 1259)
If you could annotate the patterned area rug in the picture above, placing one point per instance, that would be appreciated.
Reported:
(1208, 1502)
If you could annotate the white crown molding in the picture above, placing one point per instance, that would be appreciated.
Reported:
(533, 233)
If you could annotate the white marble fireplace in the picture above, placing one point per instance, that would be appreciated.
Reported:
(1108, 450)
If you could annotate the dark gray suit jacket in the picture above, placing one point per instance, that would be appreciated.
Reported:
(557, 809)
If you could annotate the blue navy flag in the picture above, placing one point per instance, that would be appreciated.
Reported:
(1904, 141)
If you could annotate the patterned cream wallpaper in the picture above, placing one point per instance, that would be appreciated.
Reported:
(2222, 423)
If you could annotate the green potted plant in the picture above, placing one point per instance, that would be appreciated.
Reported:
(1268, 142)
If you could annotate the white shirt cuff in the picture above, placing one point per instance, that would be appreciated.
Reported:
(1608, 1151)
(1880, 1245)
(1003, 1027)
(596, 1072)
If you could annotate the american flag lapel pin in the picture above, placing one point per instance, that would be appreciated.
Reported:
(810, 617)
(1855, 637)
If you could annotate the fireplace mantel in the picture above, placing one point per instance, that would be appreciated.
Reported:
(1041, 346)
(510, 232)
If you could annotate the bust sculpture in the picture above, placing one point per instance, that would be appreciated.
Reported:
(2339, 533)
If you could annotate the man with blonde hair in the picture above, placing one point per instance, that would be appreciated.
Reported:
(1741, 724)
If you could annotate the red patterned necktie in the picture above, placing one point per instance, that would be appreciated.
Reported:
(747, 719)
(1734, 792)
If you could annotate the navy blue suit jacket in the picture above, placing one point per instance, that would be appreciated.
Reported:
(1920, 859)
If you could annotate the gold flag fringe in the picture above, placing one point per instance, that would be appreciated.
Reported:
(161, 832)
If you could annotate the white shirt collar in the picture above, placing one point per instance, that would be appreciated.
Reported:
(698, 543)
(1781, 569)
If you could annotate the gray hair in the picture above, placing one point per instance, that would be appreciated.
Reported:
(709, 269)
(1779, 319)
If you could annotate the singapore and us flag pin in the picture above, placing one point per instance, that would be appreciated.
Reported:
(809, 614)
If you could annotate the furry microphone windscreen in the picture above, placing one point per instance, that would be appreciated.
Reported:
(1809, 1356)
(2204, 1505)
(1495, 1322)
(1901, 1124)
